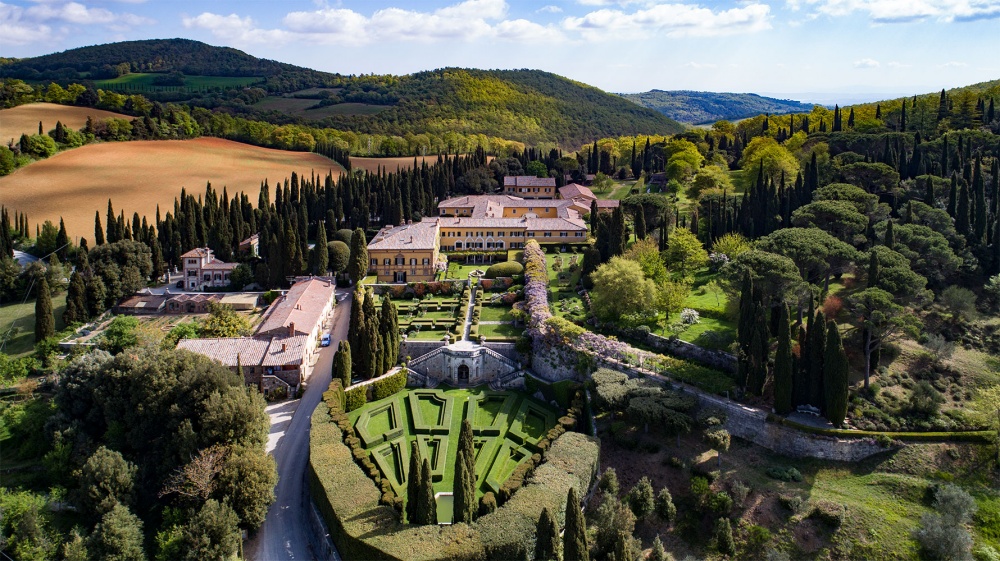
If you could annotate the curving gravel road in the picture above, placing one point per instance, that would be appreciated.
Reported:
(286, 530)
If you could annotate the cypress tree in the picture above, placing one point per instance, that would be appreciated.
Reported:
(962, 212)
(76, 300)
(783, 366)
(616, 235)
(357, 267)
(428, 502)
(320, 252)
(890, 236)
(389, 327)
(814, 362)
(413, 495)
(724, 536)
(953, 196)
(640, 224)
(62, 241)
(980, 215)
(342, 363)
(98, 229)
(744, 328)
(575, 534)
(874, 269)
(358, 337)
(835, 374)
(546, 537)
(464, 497)
(45, 323)
(371, 332)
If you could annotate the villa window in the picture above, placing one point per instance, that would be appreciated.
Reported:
(426, 262)
(562, 234)
(400, 261)
(387, 261)
(547, 235)
(374, 262)
(413, 261)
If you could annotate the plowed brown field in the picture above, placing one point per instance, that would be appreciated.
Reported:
(138, 175)
(25, 118)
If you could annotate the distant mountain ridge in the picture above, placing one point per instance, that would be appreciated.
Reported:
(529, 106)
(693, 107)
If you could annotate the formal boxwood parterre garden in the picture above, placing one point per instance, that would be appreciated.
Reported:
(527, 459)
(507, 427)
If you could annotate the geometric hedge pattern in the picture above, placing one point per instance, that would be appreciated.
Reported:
(506, 428)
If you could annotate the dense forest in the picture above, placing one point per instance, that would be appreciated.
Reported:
(694, 107)
(529, 106)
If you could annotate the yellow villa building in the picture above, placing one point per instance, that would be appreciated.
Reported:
(410, 252)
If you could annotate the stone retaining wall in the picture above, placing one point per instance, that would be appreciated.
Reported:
(751, 424)
(718, 360)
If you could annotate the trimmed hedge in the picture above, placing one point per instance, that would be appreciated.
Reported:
(362, 528)
(505, 269)
(389, 385)
(982, 436)
(356, 397)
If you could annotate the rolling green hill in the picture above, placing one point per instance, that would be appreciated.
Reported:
(707, 107)
(530, 106)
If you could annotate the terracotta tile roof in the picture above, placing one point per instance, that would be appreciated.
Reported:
(252, 351)
(216, 265)
(144, 301)
(302, 306)
(528, 181)
(573, 191)
(198, 252)
(252, 239)
(532, 224)
(421, 235)
(601, 203)
(181, 298)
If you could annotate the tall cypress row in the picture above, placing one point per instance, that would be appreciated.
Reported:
(783, 366)
(814, 362)
(546, 537)
(835, 376)
(342, 363)
(427, 501)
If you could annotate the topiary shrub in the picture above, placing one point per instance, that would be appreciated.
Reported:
(357, 397)
(505, 269)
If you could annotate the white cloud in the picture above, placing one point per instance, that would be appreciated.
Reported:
(22, 26)
(673, 20)
(866, 63)
(549, 9)
(700, 65)
(954, 64)
(14, 30)
(897, 64)
(465, 21)
(901, 11)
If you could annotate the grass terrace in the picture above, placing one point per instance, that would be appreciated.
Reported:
(507, 428)
(17, 324)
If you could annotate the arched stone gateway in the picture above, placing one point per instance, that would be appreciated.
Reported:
(464, 364)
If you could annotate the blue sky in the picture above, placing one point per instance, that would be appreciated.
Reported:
(844, 49)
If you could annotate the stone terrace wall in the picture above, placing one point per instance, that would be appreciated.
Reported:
(413, 349)
(713, 359)
(751, 424)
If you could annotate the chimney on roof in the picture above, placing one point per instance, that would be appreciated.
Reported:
(284, 347)
(291, 329)
(411, 239)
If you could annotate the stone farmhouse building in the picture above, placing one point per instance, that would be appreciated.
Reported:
(282, 350)
(202, 270)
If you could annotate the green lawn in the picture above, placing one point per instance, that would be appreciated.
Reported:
(497, 456)
(725, 329)
(19, 321)
(427, 334)
(495, 313)
(459, 271)
(500, 331)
